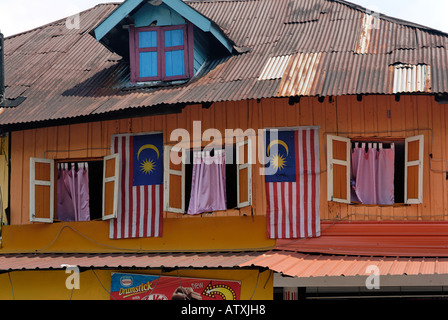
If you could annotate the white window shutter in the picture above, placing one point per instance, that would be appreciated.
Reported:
(413, 185)
(244, 173)
(174, 180)
(111, 166)
(41, 190)
(338, 169)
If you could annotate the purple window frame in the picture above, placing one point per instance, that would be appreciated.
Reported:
(161, 49)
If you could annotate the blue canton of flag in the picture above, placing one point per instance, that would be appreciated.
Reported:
(280, 152)
(147, 166)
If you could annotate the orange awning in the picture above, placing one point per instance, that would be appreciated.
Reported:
(289, 263)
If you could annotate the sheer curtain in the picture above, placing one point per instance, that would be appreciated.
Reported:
(73, 192)
(373, 174)
(208, 187)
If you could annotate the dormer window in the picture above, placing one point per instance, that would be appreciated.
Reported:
(162, 53)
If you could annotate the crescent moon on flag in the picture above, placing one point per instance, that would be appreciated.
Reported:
(278, 142)
(148, 146)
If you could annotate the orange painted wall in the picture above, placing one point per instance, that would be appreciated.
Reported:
(412, 115)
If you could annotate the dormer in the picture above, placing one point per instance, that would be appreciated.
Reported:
(164, 41)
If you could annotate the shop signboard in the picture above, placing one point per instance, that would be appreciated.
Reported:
(128, 286)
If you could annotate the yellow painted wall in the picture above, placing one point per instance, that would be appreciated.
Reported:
(95, 284)
(203, 234)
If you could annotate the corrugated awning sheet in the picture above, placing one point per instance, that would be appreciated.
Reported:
(294, 47)
(343, 249)
(289, 263)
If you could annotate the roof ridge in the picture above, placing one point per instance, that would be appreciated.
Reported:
(60, 20)
(351, 5)
(388, 18)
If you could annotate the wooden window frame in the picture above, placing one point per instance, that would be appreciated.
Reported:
(243, 166)
(419, 163)
(51, 183)
(160, 49)
(34, 182)
(407, 164)
(167, 172)
(115, 179)
(239, 166)
(330, 166)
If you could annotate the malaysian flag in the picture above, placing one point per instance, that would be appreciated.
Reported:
(140, 192)
(293, 191)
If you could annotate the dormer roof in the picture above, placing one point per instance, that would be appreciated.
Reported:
(122, 15)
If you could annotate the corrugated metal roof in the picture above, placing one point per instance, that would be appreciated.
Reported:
(305, 265)
(379, 239)
(288, 263)
(331, 48)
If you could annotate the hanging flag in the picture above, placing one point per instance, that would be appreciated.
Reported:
(293, 190)
(140, 193)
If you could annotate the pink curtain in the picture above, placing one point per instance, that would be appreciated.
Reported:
(373, 174)
(65, 209)
(385, 185)
(82, 191)
(208, 187)
(73, 192)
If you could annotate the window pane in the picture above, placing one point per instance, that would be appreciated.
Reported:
(147, 39)
(42, 201)
(148, 64)
(339, 181)
(412, 182)
(174, 63)
(174, 38)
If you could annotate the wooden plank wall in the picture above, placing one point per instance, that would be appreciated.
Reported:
(374, 116)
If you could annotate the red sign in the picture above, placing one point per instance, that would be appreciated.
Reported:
(126, 286)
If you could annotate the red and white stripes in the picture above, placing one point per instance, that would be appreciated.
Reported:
(293, 207)
(140, 208)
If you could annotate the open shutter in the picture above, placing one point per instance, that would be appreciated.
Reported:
(244, 173)
(413, 186)
(111, 165)
(174, 180)
(41, 190)
(338, 169)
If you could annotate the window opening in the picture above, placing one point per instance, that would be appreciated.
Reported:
(79, 191)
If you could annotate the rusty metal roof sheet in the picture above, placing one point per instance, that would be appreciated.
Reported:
(286, 48)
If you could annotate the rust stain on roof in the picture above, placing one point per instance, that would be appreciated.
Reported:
(300, 75)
